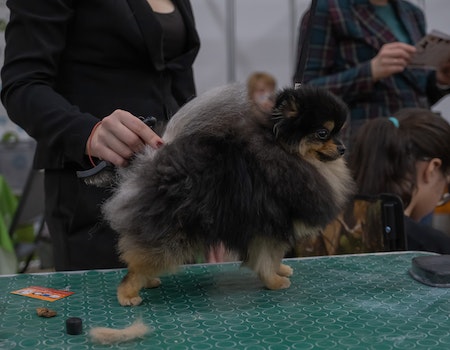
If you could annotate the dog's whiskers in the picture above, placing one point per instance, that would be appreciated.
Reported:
(275, 130)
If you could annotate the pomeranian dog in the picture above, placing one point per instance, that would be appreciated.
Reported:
(229, 174)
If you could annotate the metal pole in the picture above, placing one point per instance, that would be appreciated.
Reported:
(292, 35)
(231, 40)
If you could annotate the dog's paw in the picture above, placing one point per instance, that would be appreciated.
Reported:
(285, 270)
(277, 282)
(153, 283)
(128, 296)
(125, 301)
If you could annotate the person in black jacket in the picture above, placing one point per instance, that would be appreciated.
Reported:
(407, 154)
(76, 76)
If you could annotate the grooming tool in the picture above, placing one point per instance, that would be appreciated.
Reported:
(104, 173)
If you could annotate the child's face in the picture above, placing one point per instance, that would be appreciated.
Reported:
(264, 97)
(428, 193)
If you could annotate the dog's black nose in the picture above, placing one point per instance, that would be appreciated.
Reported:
(341, 150)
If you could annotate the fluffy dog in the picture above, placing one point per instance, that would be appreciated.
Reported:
(230, 174)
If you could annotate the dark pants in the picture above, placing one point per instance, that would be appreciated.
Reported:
(81, 240)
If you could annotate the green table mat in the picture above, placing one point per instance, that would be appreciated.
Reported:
(340, 302)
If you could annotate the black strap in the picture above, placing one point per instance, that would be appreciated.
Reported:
(301, 63)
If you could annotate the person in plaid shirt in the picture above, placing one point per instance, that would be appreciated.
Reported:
(360, 50)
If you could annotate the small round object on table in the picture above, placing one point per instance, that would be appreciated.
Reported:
(74, 326)
(432, 270)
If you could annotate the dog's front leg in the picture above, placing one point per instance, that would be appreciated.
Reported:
(264, 257)
(285, 270)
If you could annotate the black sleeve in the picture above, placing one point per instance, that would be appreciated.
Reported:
(426, 238)
(433, 92)
(35, 39)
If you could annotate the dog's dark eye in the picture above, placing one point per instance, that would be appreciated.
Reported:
(322, 134)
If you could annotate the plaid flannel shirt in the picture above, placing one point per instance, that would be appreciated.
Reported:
(345, 36)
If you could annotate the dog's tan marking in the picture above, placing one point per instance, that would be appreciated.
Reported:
(128, 290)
(146, 264)
(329, 125)
(144, 268)
(310, 150)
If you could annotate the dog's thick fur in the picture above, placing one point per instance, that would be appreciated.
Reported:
(229, 174)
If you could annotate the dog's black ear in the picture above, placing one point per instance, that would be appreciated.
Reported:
(285, 104)
(286, 113)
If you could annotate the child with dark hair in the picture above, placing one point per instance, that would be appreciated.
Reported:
(407, 154)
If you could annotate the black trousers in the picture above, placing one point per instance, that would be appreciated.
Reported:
(81, 239)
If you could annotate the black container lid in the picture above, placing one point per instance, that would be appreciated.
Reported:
(432, 270)
(74, 326)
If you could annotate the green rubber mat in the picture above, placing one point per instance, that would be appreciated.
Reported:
(342, 302)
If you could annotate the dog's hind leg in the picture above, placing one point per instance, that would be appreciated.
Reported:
(142, 273)
(129, 287)
(145, 264)
(264, 257)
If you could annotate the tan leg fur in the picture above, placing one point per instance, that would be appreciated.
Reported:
(264, 257)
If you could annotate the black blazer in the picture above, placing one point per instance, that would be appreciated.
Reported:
(70, 63)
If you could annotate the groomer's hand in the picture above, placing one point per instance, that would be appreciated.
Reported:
(391, 59)
(119, 136)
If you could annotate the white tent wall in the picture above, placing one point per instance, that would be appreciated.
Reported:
(242, 36)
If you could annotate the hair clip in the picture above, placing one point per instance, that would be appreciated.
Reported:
(394, 121)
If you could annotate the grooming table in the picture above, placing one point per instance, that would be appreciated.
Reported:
(364, 301)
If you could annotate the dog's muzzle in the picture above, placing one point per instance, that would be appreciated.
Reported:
(329, 157)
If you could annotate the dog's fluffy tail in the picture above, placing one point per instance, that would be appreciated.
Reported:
(105, 335)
